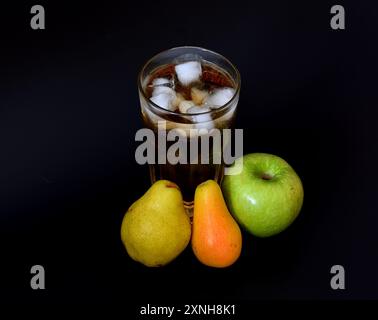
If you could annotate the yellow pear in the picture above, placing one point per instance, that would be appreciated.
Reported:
(156, 228)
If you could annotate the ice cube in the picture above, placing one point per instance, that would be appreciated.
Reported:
(185, 105)
(162, 85)
(198, 109)
(164, 100)
(199, 118)
(188, 72)
(162, 89)
(198, 96)
(161, 81)
(220, 97)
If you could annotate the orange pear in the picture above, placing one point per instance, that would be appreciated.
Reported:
(216, 237)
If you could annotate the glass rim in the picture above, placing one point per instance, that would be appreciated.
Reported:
(211, 111)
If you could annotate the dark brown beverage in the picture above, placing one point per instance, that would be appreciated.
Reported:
(189, 96)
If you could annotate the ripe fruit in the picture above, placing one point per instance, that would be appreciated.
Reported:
(266, 197)
(156, 228)
(216, 237)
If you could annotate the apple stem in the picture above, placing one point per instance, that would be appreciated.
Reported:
(266, 176)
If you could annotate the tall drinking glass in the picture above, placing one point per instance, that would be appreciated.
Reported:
(218, 76)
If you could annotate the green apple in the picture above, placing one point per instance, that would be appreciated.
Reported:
(266, 196)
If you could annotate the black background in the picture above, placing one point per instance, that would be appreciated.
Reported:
(69, 111)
